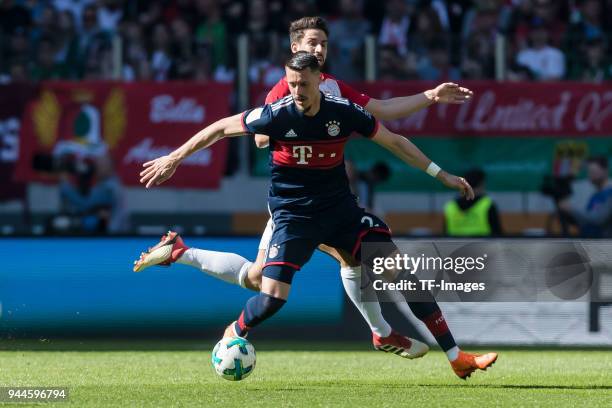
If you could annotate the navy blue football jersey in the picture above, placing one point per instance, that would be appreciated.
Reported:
(307, 152)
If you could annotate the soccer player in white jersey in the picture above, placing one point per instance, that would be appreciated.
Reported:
(311, 34)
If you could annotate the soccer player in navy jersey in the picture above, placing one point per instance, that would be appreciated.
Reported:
(309, 197)
(311, 34)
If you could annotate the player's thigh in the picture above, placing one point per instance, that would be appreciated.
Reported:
(343, 257)
(388, 249)
(359, 226)
(275, 288)
(291, 246)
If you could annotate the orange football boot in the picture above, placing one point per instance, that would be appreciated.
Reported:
(467, 363)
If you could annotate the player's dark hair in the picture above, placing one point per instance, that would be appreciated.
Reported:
(297, 27)
(301, 60)
(601, 161)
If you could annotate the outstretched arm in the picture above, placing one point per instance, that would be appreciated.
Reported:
(400, 107)
(161, 169)
(395, 108)
(412, 155)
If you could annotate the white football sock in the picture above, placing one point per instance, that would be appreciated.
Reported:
(453, 353)
(226, 266)
(351, 279)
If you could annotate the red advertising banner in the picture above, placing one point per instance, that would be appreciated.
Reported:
(500, 109)
(13, 101)
(135, 122)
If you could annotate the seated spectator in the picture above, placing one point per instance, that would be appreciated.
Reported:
(391, 66)
(14, 16)
(182, 50)
(110, 13)
(348, 32)
(45, 67)
(425, 29)
(587, 22)
(595, 66)
(161, 55)
(263, 43)
(135, 62)
(76, 7)
(94, 204)
(18, 45)
(546, 62)
(546, 11)
(595, 221)
(395, 25)
(586, 25)
(263, 70)
(436, 66)
(18, 71)
(91, 46)
(65, 40)
(46, 27)
(212, 32)
(519, 73)
(478, 59)
(478, 46)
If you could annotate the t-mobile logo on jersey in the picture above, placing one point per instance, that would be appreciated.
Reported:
(302, 153)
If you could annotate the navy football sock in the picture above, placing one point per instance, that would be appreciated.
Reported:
(257, 309)
(430, 314)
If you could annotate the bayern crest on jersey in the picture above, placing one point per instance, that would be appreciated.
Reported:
(333, 128)
(273, 252)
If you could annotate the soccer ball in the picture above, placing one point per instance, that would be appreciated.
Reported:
(233, 358)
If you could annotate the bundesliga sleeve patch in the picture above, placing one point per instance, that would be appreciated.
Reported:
(253, 115)
(362, 110)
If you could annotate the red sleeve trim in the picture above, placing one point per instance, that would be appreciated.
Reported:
(242, 118)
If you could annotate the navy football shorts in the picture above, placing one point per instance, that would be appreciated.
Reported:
(295, 238)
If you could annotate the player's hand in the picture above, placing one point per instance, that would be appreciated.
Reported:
(450, 92)
(457, 183)
(157, 171)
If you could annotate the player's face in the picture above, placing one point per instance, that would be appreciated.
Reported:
(314, 42)
(304, 87)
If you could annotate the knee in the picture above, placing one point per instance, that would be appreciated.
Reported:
(271, 304)
(255, 275)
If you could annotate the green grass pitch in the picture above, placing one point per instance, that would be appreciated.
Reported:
(308, 377)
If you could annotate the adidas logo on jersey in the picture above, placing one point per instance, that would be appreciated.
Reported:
(291, 133)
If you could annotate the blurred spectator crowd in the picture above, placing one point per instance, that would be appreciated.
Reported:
(196, 39)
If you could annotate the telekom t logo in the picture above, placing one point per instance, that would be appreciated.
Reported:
(302, 153)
